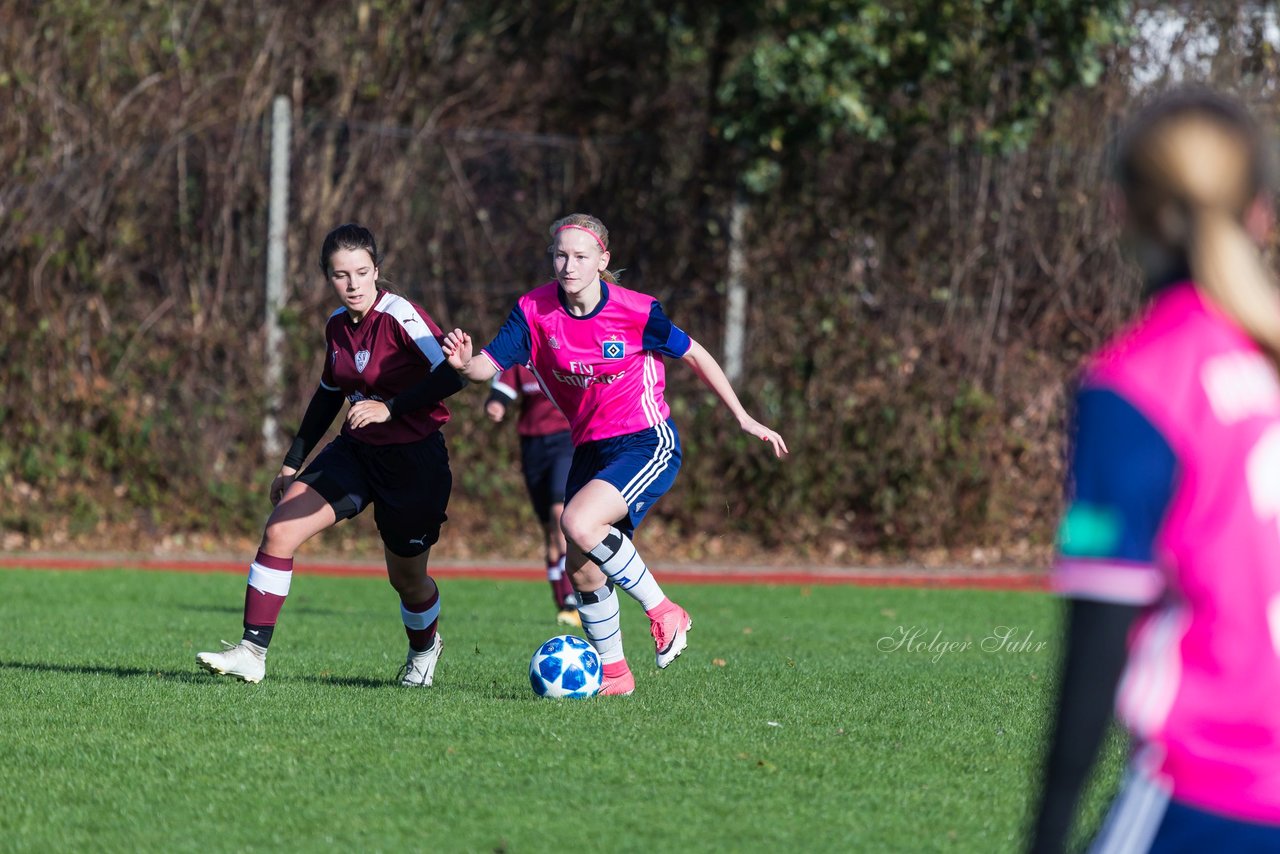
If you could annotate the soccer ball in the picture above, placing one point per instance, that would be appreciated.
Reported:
(565, 666)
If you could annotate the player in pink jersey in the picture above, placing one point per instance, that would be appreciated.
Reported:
(1169, 552)
(597, 348)
(383, 356)
(546, 451)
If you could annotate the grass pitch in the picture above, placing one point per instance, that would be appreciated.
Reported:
(825, 718)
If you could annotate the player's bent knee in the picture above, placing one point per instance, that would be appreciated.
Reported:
(584, 533)
(282, 540)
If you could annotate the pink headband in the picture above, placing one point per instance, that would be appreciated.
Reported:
(594, 236)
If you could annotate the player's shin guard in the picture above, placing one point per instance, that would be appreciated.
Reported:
(269, 581)
(618, 559)
(420, 619)
(602, 624)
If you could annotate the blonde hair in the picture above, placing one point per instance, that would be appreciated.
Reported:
(1191, 167)
(585, 222)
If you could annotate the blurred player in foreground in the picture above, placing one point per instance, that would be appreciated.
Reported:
(383, 355)
(546, 450)
(597, 349)
(1170, 547)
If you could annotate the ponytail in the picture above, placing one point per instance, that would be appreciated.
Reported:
(1231, 272)
(1191, 167)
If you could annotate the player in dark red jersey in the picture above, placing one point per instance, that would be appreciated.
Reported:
(383, 355)
(546, 451)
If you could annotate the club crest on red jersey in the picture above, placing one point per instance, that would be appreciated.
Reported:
(362, 360)
(553, 343)
(613, 349)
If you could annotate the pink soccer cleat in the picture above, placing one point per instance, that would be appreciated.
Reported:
(669, 624)
(616, 680)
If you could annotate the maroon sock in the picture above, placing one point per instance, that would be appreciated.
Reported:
(261, 608)
(565, 595)
(420, 619)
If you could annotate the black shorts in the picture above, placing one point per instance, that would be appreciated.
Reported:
(545, 461)
(408, 486)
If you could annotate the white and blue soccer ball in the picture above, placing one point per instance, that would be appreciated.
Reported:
(565, 666)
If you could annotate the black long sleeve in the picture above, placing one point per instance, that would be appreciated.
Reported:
(1093, 661)
(322, 409)
(442, 382)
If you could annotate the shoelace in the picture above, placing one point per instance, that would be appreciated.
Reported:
(228, 647)
(408, 667)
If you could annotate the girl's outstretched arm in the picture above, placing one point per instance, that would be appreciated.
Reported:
(712, 376)
(458, 351)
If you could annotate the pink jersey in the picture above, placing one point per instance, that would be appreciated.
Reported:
(385, 354)
(1176, 507)
(604, 370)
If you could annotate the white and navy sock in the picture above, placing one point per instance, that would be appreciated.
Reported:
(618, 559)
(602, 623)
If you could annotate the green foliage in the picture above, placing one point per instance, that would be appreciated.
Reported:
(811, 71)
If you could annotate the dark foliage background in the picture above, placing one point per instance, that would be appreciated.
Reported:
(929, 251)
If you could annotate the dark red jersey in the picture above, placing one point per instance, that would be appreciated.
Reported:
(538, 415)
(391, 350)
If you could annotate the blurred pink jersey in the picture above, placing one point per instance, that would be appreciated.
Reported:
(1198, 544)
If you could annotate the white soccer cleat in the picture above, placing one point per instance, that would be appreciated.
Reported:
(420, 667)
(246, 661)
(670, 630)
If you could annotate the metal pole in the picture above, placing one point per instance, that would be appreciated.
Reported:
(277, 229)
(735, 319)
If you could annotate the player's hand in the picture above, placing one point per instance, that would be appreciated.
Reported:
(755, 428)
(496, 411)
(457, 350)
(281, 483)
(366, 412)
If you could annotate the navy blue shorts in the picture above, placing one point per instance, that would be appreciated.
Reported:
(1145, 820)
(545, 461)
(642, 466)
(408, 486)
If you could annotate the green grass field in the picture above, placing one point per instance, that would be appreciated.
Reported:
(792, 722)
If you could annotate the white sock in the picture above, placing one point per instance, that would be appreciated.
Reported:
(618, 559)
(602, 624)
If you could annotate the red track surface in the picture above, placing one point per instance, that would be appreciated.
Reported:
(951, 579)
